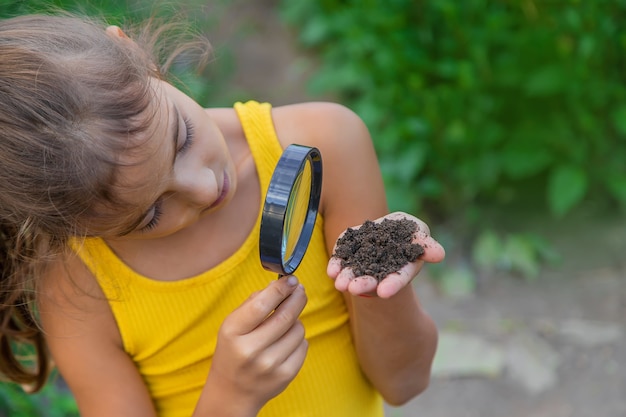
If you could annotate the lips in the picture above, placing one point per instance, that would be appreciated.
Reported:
(224, 193)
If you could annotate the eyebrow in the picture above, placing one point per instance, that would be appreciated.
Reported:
(174, 133)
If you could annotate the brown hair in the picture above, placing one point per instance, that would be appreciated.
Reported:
(71, 98)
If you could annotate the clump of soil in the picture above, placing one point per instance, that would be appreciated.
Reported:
(378, 249)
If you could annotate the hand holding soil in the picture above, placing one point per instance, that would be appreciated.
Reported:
(382, 256)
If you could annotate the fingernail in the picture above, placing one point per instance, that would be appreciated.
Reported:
(292, 281)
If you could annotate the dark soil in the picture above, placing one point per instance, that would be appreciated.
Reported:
(378, 249)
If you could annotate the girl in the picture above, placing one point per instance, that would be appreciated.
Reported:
(129, 226)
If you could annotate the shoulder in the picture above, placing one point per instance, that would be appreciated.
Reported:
(312, 123)
(339, 133)
(70, 301)
(321, 123)
(85, 344)
(316, 123)
(352, 187)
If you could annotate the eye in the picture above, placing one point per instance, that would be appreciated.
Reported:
(156, 215)
(188, 136)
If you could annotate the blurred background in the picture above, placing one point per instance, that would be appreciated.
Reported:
(502, 124)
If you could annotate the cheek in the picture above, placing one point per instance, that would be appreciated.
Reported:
(171, 225)
(211, 134)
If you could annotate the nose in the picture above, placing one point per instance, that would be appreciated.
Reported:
(198, 187)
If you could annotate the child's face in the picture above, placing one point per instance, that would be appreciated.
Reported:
(181, 172)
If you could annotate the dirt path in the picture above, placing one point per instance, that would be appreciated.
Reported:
(265, 60)
(561, 340)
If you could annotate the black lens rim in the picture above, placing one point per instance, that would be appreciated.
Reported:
(289, 166)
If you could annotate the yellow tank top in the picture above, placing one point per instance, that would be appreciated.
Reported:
(169, 329)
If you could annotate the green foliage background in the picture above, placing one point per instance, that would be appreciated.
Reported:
(480, 103)
(472, 104)
(205, 85)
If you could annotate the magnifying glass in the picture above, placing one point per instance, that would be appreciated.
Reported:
(290, 209)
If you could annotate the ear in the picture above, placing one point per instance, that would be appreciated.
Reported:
(116, 32)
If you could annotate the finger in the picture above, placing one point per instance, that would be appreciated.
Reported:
(342, 281)
(393, 283)
(283, 318)
(280, 351)
(433, 251)
(346, 281)
(362, 285)
(334, 267)
(255, 309)
(294, 362)
(334, 263)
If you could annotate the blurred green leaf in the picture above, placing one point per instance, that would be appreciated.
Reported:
(545, 81)
(619, 120)
(314, 32)
(545, 251)
(520, 160)
(617, 187)
(53, 401)
(521, 256)
(506, 95)
(405, 166)
(401, 198)
(458, 282)
(487, 250)
(567, 186)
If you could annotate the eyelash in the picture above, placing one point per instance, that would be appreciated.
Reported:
(158, 210)
(189, 138)
(158, 205)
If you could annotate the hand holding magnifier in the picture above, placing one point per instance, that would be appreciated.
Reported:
(290, 209)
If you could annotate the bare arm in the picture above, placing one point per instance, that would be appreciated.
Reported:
(395, 338)
(85, 344)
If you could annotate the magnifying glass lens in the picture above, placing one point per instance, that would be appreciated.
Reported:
(296, 212)
(290, 209)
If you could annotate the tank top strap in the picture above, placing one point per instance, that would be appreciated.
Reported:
(258, 126)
